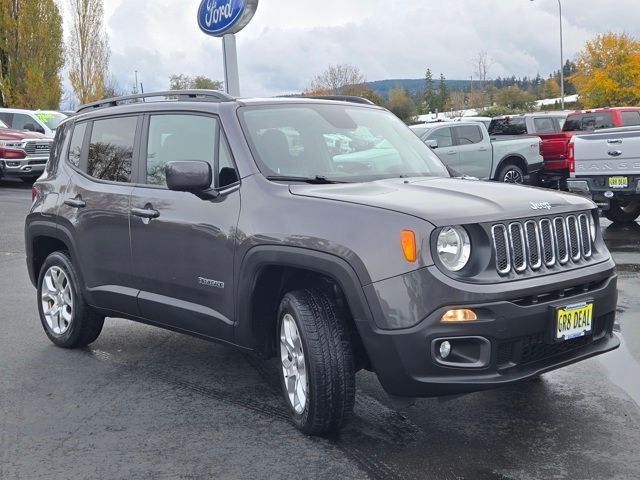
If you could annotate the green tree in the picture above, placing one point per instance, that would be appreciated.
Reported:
(429, 97)
(88, 50)
(199, 82)
(401, 105)
(443, 94)
(31, 53)
(362, 91)
(608, 71)
(514, 99)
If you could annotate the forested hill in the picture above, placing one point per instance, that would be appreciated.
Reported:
(413, 86)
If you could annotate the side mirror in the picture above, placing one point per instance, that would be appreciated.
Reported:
(193, 176)
(433, 144)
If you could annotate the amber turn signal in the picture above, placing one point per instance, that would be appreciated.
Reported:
(408, 242)
(459, 315)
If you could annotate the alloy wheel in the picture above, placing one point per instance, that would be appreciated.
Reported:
(293, 364)
(57, 300)
(513, 176)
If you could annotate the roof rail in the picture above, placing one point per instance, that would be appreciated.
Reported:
(341, 98)
(180, 95)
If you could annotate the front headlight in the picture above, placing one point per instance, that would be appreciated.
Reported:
(454, 248)
(592, 227)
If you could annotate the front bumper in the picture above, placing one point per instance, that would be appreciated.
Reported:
(516, 325)
(28, 167)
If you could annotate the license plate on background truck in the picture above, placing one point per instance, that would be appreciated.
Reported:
(574, 321)
(618, 182)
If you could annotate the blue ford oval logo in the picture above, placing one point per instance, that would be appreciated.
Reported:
(219, 17)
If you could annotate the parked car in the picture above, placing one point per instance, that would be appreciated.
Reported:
(40, 121)
(23, 154)
(467, 148)
(604, 166)
(201, 215)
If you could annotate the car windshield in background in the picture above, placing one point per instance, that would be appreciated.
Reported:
(420, 130)
(341, 143)
(588, 121)
(508, 126)
(3, 125)
(51, 119)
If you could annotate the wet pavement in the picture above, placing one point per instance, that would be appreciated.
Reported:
(146, 403)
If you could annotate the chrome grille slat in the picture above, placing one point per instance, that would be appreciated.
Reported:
(40, 148)
(533, 244)
(528, 245)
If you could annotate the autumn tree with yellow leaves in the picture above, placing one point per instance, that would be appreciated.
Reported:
(608, 71)
(31, 54)
(88, 50)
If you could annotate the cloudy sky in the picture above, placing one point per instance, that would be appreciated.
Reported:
(289, 41)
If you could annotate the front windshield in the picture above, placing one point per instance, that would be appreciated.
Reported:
(343, 143)
(51, 119)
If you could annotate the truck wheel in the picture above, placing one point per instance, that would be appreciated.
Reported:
(511, 173)
(620, 212)
(317, 375)
(67, 319)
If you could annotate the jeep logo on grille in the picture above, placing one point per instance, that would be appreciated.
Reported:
(540, 206)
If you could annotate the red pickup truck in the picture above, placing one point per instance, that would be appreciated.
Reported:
(556, 130)
(23, 154)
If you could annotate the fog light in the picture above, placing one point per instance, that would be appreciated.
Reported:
(459, 315)
(445, 349)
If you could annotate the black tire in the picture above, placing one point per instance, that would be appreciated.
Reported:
(624, 213)
(510, 171)
(329, 361)
(86, 324)
(29, 180)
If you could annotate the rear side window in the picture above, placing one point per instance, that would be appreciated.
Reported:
(508, 126)
(588, 121)
(544, 125)
(469, 134)
(630, 118)
(75, 147)
(111, 149)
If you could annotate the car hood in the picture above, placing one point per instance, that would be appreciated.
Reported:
(450, 201)
(10, 134)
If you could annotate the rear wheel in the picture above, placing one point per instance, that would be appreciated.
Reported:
(623, 212)
(511, 173)
(317, 366)
(67, 319)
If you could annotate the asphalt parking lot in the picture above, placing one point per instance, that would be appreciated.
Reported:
(146, 403)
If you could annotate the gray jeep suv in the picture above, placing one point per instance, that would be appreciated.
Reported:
(321, 232)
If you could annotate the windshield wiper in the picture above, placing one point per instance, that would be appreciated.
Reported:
(317, 180)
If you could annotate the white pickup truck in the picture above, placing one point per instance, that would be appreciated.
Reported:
(467, 148)
(605, 166)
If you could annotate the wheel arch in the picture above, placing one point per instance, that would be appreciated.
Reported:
(512, 159)
(268, 272)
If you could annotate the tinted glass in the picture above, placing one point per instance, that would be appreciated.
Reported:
(227, 174)
(75, 147)
(111, 149)
(179, 137)
(357, 143)
(3, 125)
(630, 118)
(508, 126)
(544, 125)
(21, 122)
(588, 121)
(442, 136)
(6, 118)
(469, 134)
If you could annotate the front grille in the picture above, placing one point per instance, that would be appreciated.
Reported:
(39, 148)
(519, 246)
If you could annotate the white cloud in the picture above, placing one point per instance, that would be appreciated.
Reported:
(289, 41)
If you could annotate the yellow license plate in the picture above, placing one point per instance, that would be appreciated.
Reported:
(618, 182)
(574, 321)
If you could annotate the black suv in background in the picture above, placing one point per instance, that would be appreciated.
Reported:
(322, 232)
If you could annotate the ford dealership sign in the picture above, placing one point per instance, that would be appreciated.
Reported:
(221, 17)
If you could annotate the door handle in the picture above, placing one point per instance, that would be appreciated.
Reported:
(147, 213)
(76, 202)
(483, 149)
(451, 152)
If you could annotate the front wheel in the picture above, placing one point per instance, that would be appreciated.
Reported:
(511, 174)
(317, 366)
(624, 213)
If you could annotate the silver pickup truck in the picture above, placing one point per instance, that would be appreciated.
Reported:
(467, 148)
(605, 166)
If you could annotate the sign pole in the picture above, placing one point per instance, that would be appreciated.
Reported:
(230, 58)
